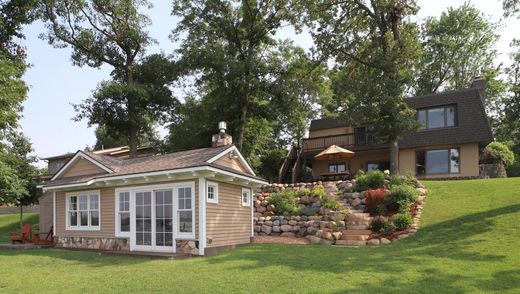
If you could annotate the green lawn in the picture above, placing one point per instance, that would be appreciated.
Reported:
(11, 222)
(469, 242)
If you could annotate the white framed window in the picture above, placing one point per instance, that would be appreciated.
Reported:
(185, 212)
(212, 192)
(122, 213)
(246, 197)
(83, 211)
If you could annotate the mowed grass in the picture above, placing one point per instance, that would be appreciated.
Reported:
(469, 241)
(11, 222)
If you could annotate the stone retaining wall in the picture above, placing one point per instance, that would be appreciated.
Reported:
(112, 244)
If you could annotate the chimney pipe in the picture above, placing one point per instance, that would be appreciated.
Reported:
(222, 126)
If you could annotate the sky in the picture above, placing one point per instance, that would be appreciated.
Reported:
(55, 83)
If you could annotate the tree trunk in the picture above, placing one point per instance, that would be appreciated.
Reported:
(131, 114)
(21, 216)
(394, 156)
(242, 127)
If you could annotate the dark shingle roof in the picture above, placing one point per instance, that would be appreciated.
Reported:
(327, 123)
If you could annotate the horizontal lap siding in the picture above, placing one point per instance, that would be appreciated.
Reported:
(228, 222)
(82, 167)
(107, 215)
(232, 163)
(108, 211)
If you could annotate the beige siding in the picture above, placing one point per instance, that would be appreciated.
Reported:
(228, 222)
(108, 211)
(52, 167)
(469, 157)
(45, 209)
(82, 167)
(233, 163)
(331, 132)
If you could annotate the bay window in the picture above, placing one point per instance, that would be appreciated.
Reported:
(83, 210)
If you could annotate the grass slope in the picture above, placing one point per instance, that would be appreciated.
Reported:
(11, 222)
(469, 242)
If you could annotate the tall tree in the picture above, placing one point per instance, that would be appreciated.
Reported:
(511, 8)
(152, 102)
(104, 32)
(383, 44)
(457, 46)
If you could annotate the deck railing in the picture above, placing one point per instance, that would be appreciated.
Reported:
(356, 141)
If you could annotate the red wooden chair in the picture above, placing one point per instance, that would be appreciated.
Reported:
(24, 236)
(47, 241)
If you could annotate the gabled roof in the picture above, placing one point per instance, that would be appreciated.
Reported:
(168, 162)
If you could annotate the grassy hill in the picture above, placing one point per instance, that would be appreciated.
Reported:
(11, 222)
(469, 241)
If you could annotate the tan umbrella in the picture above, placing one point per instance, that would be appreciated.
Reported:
(334, 152)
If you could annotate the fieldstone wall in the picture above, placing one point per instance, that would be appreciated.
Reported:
(114, 244)
(188, 247)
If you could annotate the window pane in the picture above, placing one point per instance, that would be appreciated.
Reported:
(372, 166)
(437, 162)
(185, 222)
(454, 160)
(450, 116)
(341, 168)
(168, 197)
(147, 198)
(211, 192)
(94, 204)
(83, 218)
(73, 219)
(420, 158)
(73, 202)
(94, 218)
(421, 117)
(245, 197)
(139, 199)
(124, 222)
(436, 118)
(83, 202)
(124, 201)
(332, 168)
(168, 211)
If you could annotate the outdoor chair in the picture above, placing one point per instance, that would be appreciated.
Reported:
(47, 241)
(24, 236)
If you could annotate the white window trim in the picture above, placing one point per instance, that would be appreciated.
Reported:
(248, 204)
(117, 231)
(68, 227)
(215, 192)
(178, 234)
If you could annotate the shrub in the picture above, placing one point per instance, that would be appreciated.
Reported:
(401, 196)
(309, 211)
(496, 152)
(408, 180)
(374, 179)
(381, 209)
(388, 228)
(374, 198)
(303, 192)
(318, 191)
(402, 221)
(329, 203)
(285, 202)
(377, 225)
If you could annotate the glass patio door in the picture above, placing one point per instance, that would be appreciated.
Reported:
(154, 221)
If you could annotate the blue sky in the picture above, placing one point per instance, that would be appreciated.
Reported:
(55, 83)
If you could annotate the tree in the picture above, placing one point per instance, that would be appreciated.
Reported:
(152, 102)
(382, 43)
(511, 7)
(457, 46)
(104, 32)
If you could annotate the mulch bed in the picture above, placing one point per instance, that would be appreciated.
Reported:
(280, 240)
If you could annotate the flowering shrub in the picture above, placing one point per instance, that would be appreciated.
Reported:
(374, 198)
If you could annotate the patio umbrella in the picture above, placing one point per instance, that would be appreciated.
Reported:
(334, 152)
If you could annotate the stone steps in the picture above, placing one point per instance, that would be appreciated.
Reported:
(359, 227)
(351, 242)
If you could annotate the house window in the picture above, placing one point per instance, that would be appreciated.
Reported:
(246, 197)
(337, 168)
(438, 117)
(83, 211)
(123, 213)
(212, 193)
(381, 165)
(441, 161)
(185, 211)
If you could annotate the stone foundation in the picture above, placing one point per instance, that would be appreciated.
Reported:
(113, 244)
(188, 247)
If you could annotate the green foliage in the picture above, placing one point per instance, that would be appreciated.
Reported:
(309, 211)
(330, 203)
(303, 192)
(374, 179)
(402, 221)
(457, 46)
(409, 180)
(285, 202)
(381, 209)
(401, 197)
(388, 228)
(378, 224)
(496, 152)
(318, 191)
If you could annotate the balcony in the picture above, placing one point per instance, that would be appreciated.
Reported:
(353, 141)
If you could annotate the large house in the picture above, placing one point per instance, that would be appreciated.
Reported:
(196, 201)
(453, 130)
